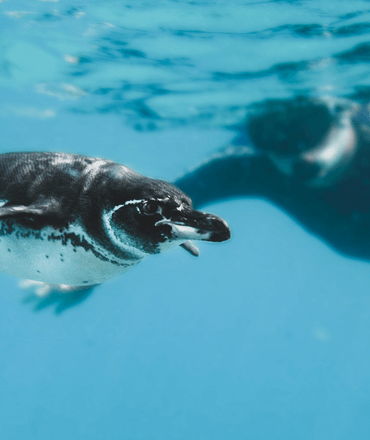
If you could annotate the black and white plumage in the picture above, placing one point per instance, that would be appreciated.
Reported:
(78, 221)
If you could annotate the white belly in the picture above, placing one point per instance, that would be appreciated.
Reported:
(34, 255)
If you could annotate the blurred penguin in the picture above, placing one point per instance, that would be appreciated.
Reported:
(310, 157)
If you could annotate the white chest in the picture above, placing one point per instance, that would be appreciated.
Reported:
(58, 257)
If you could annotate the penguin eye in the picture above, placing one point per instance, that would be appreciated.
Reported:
(150, 208)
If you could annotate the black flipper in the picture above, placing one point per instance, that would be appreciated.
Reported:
(21, 210)
(35, 215)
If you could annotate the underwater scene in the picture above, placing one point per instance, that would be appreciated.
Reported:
(258, 111)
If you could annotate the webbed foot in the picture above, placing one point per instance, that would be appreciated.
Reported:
(60, 295)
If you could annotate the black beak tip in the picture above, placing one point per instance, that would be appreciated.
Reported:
(221, 231)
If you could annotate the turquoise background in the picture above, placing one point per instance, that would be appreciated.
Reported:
(262, 337)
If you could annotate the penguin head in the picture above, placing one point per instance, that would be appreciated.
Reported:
(310, 140)
(289, 127)
(158, 217)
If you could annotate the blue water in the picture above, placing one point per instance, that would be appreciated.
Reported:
(266, 336)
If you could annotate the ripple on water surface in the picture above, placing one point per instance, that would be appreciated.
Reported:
(174, 63)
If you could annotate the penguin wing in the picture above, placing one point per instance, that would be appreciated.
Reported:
(16, 211)
(35, 210)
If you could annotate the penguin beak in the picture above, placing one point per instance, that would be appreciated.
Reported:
(195, 225)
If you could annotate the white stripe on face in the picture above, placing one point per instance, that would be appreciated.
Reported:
(122, 240)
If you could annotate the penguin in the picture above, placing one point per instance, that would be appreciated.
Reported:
(309, 157)
(72, 222)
